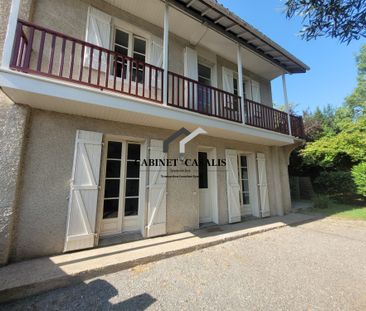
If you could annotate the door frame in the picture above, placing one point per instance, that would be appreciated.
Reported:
(142, 184)
(253, 181)
(212, 183)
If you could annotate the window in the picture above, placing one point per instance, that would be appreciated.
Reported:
(112, 180)
(133, 46)
(244, 180)
(204, 74)
(251, 89)
(132, 179)
(202, 170)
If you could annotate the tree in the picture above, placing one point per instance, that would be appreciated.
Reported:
(342, 19)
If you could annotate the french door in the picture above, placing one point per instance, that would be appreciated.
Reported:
(121, 187)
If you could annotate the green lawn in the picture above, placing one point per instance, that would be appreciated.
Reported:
(342, 211)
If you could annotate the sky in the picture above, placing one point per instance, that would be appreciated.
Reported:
(333, 72)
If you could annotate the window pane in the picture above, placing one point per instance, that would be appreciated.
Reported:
(113, 168)
(111, 188)
(202, 170)
(121, 50)
(133, 169)
(110, 208)
(133, 152)
(114, 150)
(139, 57)
(121, 38)
(244, 173)
(132, 187)
(235, 84)
(243, 161)
(204, 71)
(246, 198)
(131, 206)
(245, 185)
(139, 45)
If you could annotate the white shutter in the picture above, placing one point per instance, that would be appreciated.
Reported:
(263, 187)
(228, 80)
(248, 89)
(190, 63)
(156, 208)
(98, 32)
(156, 52)
(256, 91)
(83, 191)
(233, 187)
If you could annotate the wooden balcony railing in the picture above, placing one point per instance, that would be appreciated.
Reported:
(297, 126)
(49, 53)
(265, 117)
(40, 51)
(191, 95)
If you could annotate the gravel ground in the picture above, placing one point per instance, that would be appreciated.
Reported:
(315, 266)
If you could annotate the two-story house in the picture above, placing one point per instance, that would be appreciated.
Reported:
(91, 89)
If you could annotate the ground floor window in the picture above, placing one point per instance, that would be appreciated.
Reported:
(122, 178)
(244, 180)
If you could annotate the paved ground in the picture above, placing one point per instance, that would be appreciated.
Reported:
(315, 266)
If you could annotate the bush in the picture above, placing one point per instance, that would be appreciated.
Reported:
(359, 177)
(334, 183)
(321, 201)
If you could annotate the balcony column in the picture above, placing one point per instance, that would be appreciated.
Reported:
(287, 106)
(166, 53)
(240, 81)
(10, 33)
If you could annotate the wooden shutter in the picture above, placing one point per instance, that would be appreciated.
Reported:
(190, 63)
(256, 91)
(156, 208)
(233, 187)
(98, 32)
(156, 52)
(228, 80)
(263, 187)
(80, 230)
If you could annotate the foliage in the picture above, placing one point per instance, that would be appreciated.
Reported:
(321, 201)
(342, 19)
(359, 176)
(334, 182)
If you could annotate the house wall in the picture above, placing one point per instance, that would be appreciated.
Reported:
(43, 197)
(70, 17)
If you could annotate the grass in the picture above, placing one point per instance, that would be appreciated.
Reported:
(344, 211)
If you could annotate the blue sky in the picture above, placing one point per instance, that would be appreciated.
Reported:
(332, 74)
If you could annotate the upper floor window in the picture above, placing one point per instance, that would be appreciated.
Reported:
(251, 89)
(204, 74)
(133, 46)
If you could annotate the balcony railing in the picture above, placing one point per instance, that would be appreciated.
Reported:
(191, 95)
(265, 117)
(40, 51)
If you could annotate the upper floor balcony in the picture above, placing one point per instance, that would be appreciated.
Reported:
(44, 52)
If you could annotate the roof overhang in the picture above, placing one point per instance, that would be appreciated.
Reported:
(217, 17)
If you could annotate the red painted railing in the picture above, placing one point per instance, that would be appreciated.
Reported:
(191, 95)
(41, 51)
(52, 54)
(265, 117)
(297, 126)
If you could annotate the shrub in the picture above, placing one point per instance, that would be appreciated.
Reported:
(334, 183)
(321, 201)
(359, 177)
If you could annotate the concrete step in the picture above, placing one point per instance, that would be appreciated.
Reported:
(34, 276)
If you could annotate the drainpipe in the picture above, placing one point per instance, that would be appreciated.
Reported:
(10, 33)
(240, 80)
(287, 106)
(166, 53)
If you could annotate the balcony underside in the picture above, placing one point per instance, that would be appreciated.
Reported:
(65, 97)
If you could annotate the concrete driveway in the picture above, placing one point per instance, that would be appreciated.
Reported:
(320, 265)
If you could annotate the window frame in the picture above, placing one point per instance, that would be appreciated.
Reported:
(241, 179)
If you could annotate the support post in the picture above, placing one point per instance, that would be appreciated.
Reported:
(10, 33)
(240, 80)
(166, 53)
(286, 103)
